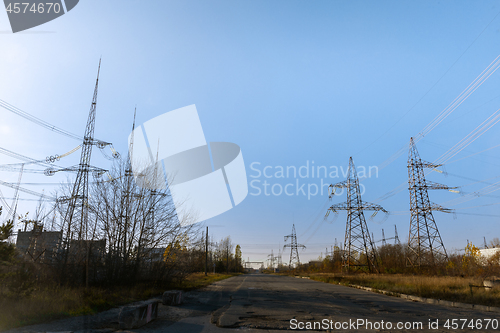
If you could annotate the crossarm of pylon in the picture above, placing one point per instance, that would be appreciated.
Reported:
(339, 206)
(372, 206)
(430, 185)
(75, 168)
(430, 165)
(100, 144)
(439, 208)
(41, 195)
(343, 184)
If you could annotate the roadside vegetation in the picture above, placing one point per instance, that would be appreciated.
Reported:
(131, 246)
(459, 279)
(45, 304)
(450, 288)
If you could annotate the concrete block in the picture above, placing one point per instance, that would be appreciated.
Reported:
(482, 307)
(416, 298)
(172, 297)
(463, 305)
(494, 309)
(446, 303)
(134, 316)
(491, 282)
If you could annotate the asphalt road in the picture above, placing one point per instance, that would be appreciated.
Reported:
(268, 303)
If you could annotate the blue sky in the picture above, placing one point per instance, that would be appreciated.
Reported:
(290, 82)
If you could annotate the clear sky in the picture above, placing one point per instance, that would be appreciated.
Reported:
(291, 82)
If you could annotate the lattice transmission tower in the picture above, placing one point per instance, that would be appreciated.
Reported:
(78, 205)
(425, 246)
(359, 250)
(396, 237)
(294, 247)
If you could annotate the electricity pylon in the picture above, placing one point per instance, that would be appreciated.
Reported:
(357, 237)
(396, 237)
(127, 197)
(273, 258)
(77, 213)
(294, 248)
(425, 246)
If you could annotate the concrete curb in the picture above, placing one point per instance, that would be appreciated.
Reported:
(431, 300)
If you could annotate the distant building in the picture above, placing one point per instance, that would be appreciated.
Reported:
(38, 245)
(487, 254)
(154, 254)
(78, 250)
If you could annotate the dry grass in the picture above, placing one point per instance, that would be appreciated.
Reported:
(448, 288)
(199, 280)
(53, 303)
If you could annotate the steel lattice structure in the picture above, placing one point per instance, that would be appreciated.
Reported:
(425, 246)
(78, 206)
(358, 242)
(294, 247)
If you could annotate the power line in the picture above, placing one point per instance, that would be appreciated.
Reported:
(427, 92)
(38, 121)
(490, 69)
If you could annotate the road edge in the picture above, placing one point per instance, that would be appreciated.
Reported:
(430, 300)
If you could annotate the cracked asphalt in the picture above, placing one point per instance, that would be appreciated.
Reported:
(270, 303)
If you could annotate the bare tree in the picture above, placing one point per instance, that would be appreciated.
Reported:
(129, 229)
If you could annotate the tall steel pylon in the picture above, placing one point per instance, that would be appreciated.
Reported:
(384, 242)
(272, 260)
(128, 189)
(357, 237)
(425, 246)
(396, 237)
(78, 206)
(294, 247)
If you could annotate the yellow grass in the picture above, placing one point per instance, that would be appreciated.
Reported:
(199, 280)
(448, 288)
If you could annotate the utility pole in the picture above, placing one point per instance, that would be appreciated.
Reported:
(294, 252)
(357, 236)
(206, 252)
(384, 243)
(485, 245)
(227, 258)
(425, 246)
